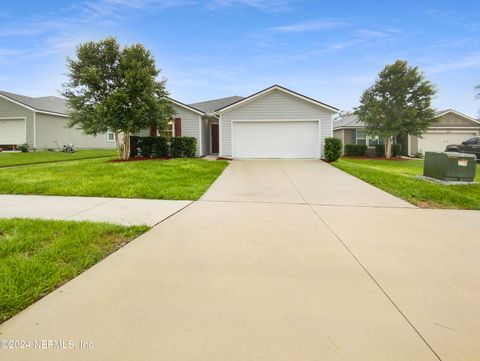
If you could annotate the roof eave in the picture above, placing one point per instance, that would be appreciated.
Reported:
(183, 105)
(271, 88)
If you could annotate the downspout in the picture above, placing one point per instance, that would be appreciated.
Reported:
(34, 130)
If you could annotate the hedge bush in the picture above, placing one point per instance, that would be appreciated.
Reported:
(396, 150)
(149, 147)
(332, 149)
(380, 150)
(23, 147)
(183, 147)
(355, 150)
(176, 147)
(189, 147)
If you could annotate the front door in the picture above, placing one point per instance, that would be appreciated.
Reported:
(215, 138)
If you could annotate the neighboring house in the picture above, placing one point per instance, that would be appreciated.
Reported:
(273, 123)
(451, 127)
(42, 123)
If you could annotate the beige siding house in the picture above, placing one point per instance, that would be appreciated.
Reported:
(42, 123)
(273, 123)
(451, 127)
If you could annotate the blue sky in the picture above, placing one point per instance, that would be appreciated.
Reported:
(209, 49)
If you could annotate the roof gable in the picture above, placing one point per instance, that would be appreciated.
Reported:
(451, 113)
(273, 88)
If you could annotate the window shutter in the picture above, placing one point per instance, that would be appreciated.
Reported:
(153, 131)
(178, 127)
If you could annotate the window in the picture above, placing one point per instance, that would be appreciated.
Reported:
(110, 136)
(361, 137)
(373, 141)
(167, 132)
(472, 141)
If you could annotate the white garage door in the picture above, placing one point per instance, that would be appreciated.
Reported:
(282, 139)
(12, 131)
(436, 142)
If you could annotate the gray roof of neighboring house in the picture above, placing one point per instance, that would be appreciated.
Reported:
(352, 121)
(210, 106)
(46, 104)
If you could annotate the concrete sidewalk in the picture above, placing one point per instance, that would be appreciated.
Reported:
(114, 210)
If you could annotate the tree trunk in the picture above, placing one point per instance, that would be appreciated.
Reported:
(118, 145)
(388, 147)
(126, 145)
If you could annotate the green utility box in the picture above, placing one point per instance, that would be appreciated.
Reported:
(450, 166)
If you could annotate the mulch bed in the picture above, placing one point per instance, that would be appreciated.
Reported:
(378, 158)
(136, 159)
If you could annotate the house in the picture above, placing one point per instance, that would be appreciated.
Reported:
(451, 127)
(273, 123)
(42, 123)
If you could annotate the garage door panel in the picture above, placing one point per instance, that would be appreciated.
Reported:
(12, 131)
(282, 139)
(437, 142)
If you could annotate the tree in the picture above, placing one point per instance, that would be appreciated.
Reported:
(342, 114)
(110, 88)
(398, 102)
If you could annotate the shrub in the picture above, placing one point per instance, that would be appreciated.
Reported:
(160, 147)
(135, 150)
(23, 147)
(183, 147)
(380, 150)
(355, 150)
(149, 147)
(146, 145)
(332, 149)
(396, 150)
(189, 147)
(176, 147)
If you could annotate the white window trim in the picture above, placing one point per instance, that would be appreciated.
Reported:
(367, 139)
(108, 138)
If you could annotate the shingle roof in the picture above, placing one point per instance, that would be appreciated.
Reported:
(210, 106)
(350, 121)
(46, 104)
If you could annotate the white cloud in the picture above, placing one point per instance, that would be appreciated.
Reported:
(263, 5)
(311, 25)
(466, 61)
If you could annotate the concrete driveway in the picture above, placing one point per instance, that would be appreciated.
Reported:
(277, 271)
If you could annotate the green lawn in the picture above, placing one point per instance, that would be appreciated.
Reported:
(398, 178)
(37, 256)
(184, 179)
(14, 159)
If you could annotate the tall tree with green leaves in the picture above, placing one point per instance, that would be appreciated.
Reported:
(398, 102)
(116, 89)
